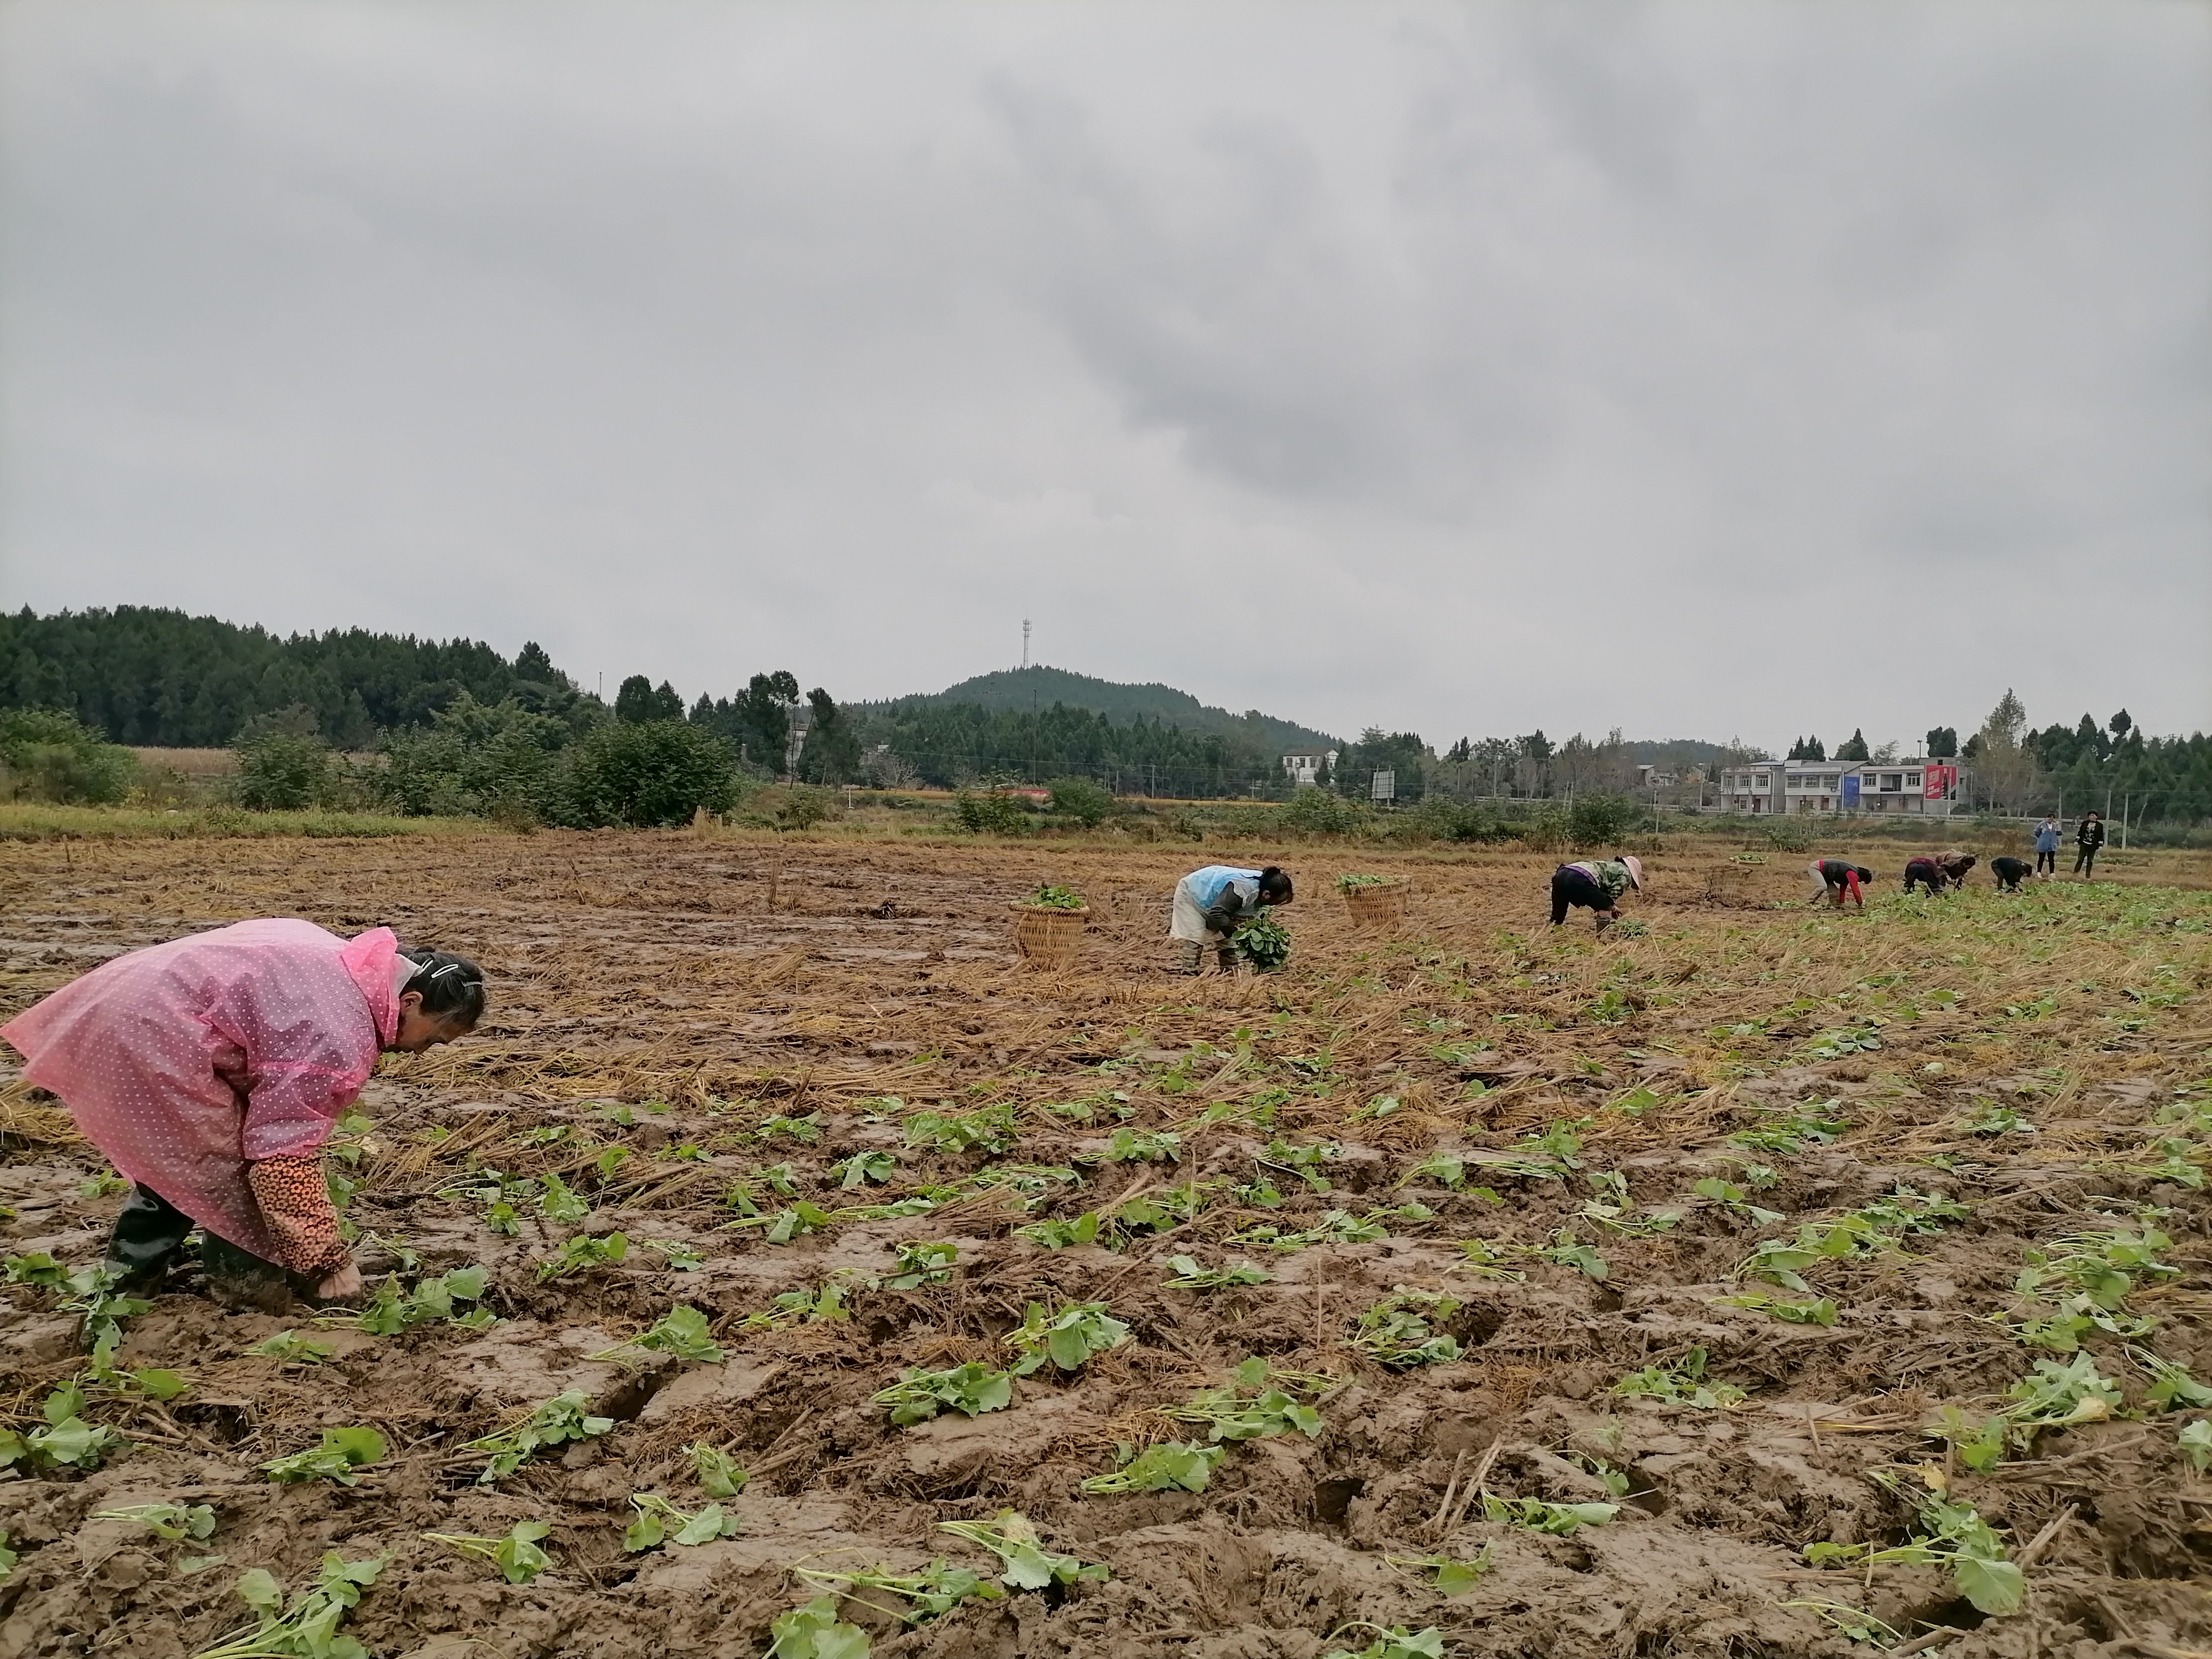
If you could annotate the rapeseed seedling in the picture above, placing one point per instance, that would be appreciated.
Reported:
(1067, 1338)
(306, 1627)
(970, 1389)
(658, 1521)
(1170, 1466)
(551, 1423)
(339, 1453)
(1027, 1564)
(1395, 1332)
(517, 1555)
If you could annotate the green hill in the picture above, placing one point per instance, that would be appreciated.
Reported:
(1018, 690)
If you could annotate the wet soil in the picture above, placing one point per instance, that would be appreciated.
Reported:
(679, 1017)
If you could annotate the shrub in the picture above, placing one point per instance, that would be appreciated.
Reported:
(1088, 803)
(806, 806)
(1543, 830)
(1600, 820)
(650, 772)
(990, 814)
(1438, 819)
(56, 757)
(1787, 835)
(280, 771)
(1317, 811)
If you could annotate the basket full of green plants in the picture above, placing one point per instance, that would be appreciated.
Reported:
(1373, 901)
(1049, 926)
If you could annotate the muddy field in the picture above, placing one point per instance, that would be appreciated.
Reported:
(1467, 1158)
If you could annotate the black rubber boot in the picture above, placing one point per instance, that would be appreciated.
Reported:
(242, 1281)
(1225, 958)
(148, 1236)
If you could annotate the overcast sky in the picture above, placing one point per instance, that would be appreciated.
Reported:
(1700, 369)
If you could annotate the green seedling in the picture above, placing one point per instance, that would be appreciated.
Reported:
(787, 1224)
(37, 1267)
(1171, 1466)
(918, 1264)
(1304, 1161)
(612, 1160)
(105, 1184)
(1227, 1414)
(801, 1307)
(2071, 1318)
(1395, 1332)
(1447, 1575)
(502, 1219)
(1993, 1119)
(583, 1253)
(929, 1593)
(1391, 1642)
(1844, 1040)
(683, 1257)
(339, 1453)
(1027, 1565)
(67, 1440)
(1537, 1515)
(1787, 1133)
(1736, 1201)
(987, 1128)
(1679, 1383)
(1187, 1275)
(1335, 1227)
(172, 1524)
(1854, 1622)
(389, 1312)
(1486, 1259)
(1050, 898)
(1815, 1310)
(1127, 1145)
(8, 1556)
(807, 1129)
(1783, 1261)
(560, 1206)
(718, 1472)
(2195, 1440)
(517, 1556)
(1067, 1338)
(1978, 1443)
(145, 1382)
(658, 1522)
(2105, 1267)
(550, 1135)
(1907, 1210)
(2173, 1388)
(1951, 1535)
(306, 1626)
(970, 1389)
(684, 1332)
(100, 1312)
(862, 1168)
(2059, 1396)
(813, 1632)
(551, 1423)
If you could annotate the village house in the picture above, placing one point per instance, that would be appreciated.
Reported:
(1928, 788)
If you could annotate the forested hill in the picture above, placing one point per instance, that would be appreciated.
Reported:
(155, 677)
(1019, 690)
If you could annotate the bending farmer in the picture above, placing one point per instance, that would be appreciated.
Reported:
(1835, 879)
(210, 1071)
(2009, 873)
(1595, 886)
(1211, 903)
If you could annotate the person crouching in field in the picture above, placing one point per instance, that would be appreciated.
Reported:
(209, 1070)
(1595, 886)
(1211, 903)
(1936, 872)
(1837, 879)
(2009, 873)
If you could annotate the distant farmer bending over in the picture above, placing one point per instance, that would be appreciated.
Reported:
(2009, 873)
(210, 1071)
(1213, 904)
(1595, 886)
(1837, 879)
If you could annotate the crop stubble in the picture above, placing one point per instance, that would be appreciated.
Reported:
(732, 980)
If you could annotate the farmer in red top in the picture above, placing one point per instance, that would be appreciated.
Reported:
(210, 1071)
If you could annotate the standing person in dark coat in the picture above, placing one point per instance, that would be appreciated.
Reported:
(2009, 873)
(2086, 839)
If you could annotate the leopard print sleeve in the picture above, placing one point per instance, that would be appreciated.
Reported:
(296, 1204)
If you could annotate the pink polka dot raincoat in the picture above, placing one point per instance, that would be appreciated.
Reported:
(188, 1061)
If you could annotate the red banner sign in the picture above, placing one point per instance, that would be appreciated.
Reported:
(1939, 781)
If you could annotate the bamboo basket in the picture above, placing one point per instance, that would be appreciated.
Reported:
(1049, 938)
(1382, 906)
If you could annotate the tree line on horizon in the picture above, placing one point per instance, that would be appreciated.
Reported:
(455, 727)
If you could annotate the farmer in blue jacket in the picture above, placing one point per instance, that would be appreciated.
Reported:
(1211, 903)
(2046, 847)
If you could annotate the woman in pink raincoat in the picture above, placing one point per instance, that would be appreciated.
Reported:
(210, 1071)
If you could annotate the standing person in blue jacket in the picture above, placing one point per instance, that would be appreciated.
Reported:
(2046, 847)
(1211, 903)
